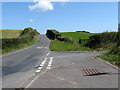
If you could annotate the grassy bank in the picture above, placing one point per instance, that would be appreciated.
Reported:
(20, 46)
(56, 45)
(112, 55)
(112, 58)
(71, 42)
(24, 38)
(84, 41)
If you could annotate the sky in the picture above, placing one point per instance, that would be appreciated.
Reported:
(119, 12)
(94, 17)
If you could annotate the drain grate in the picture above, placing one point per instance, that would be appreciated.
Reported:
(90, 72)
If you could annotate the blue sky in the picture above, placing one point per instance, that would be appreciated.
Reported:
(118, 12)
(65, 17)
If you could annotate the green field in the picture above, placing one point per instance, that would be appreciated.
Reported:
(57, 45)
(9, 33)
(75, 36)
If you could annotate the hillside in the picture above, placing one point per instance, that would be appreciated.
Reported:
(82, 41)
(10, 33)
(13, 40)
(67, 41)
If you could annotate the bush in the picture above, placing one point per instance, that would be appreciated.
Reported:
(114, 49)
(83, 41)
(99, 40)
(83, 31)
(53, 34)
(65, 39)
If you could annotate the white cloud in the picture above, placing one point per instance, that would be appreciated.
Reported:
(30, 20)
(42, 6)
(52, 0)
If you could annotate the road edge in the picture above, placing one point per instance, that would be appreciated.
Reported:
(108, 63)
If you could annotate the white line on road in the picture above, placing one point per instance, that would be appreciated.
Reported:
(40, 68)
(43, 62)
(35, 79)
(42, 47)
(39, 47)
(48, 68)
(48, 53)
(50, 63)
(37, 71)
(32, 82)
(41, 65)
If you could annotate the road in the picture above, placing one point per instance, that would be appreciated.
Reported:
(66, 72)
(20, 66)
(56, 69)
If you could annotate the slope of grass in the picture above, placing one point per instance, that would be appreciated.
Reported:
(66, 46)
(75, 36)
(10, 33)
(21, 46)
(112, 58)
(112, 55)
(13, 40)
(57, 45)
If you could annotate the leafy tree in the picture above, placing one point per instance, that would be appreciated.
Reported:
(118, 27)
(26, 30)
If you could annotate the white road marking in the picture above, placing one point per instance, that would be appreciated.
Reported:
(48, 68)
(43, 62)
(40, 67)
(32, 82)
(48, 53)
(49, 63)
(35, 79)
(42, 47)
(39, 47)
(37, 71)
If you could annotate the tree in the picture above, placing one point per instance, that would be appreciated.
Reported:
(118, 27)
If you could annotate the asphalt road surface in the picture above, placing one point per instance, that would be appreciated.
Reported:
(66, 71)
(55, 69)
(20, 66)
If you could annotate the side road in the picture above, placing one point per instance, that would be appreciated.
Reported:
(66, 70)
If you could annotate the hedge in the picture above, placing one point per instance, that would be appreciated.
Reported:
(97, 40)
(52, 34)
(24, 37)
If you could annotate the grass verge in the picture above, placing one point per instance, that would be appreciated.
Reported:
(112, 55)
(56, 45)
(112, 58)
